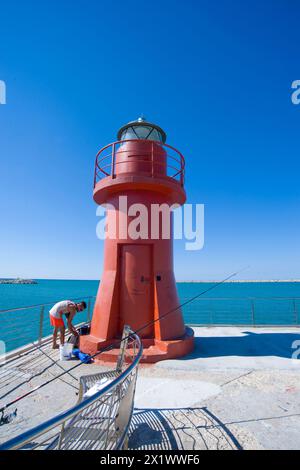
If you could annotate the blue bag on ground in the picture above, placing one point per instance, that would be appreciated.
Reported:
(86, 358)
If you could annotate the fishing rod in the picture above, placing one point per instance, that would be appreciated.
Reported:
(109, 347)
(190, 300)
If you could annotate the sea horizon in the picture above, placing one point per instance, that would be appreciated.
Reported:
(232, 302)
(178, 281)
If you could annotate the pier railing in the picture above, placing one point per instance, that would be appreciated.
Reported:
(246, 311)
(97, 422)
(26, 325)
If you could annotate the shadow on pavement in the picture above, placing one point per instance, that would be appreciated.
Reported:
(250, 344)
(180, 428)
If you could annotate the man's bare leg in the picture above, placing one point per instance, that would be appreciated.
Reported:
(62, 335)
(54, 344)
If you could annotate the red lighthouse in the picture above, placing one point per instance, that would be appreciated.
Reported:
(138, 284)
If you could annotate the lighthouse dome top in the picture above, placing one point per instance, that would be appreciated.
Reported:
(141, 129)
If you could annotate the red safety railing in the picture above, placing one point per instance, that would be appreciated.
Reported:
(174, 163)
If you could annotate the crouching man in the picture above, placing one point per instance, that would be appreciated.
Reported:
(62, 309)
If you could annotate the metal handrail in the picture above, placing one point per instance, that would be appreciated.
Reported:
(243, 311)
(38, 319)
(162, 164)
(104, 157)
(24, 438)
(244, 298)
(203, 298)
(115, 146)
(15, 309)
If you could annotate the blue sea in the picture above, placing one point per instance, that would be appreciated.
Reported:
(243, 303)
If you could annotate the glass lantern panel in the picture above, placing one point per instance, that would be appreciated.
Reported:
(155, 135)
(141, 132)
(147, 132)
(128, 134)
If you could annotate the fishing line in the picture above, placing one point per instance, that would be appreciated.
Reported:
(190, 300)
(108, 348)
(58, 365)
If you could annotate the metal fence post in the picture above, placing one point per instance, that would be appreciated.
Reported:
(61, 435)
(295, 311)
(113, 160)
(41, 324)
(181, 171)
(89, 311)
(152, 159)
(253, 312)
(126, 332)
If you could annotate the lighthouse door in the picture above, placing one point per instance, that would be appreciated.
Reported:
(136, 287)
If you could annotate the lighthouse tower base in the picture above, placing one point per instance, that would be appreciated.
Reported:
(154, 350)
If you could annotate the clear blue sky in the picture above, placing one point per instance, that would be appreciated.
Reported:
(215, 75)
